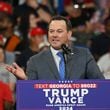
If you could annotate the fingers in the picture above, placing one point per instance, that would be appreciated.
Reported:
(15, 66)
(11, 69)
(17, 71)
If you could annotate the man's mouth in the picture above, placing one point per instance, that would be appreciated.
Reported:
(55, 40)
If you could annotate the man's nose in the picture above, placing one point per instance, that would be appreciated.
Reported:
(55, 34)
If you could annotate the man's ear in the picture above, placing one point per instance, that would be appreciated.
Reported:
(69, 34)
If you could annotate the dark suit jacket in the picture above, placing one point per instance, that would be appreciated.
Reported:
(80, 65)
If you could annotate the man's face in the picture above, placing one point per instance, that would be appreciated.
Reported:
(37, 40)
(32, 21)
(58, 34)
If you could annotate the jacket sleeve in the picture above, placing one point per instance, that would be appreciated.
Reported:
(92, 69)
(31, 70)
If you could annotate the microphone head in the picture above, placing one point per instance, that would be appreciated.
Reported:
(63, 46)
(65, 49)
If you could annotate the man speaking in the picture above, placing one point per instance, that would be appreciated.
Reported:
(61, 61)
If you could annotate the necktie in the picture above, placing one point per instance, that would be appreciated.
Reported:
(61, 65)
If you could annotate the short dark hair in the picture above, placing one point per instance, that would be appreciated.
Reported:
(67, 21)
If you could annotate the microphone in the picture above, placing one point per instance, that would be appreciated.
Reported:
(65, 49)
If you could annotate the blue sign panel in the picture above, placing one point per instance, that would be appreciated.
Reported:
(63, 95)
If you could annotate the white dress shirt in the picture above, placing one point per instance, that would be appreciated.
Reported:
(55, 56)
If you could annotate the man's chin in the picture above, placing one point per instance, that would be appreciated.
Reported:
(57, 47)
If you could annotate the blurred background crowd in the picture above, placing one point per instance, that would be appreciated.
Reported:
(24, 26)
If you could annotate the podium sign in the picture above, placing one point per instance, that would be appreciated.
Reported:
(63, 95)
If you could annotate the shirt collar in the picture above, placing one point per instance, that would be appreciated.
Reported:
(54, 51)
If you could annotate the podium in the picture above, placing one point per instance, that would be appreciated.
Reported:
(63, 95)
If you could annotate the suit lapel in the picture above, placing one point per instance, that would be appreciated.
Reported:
(52, 66)
(71, 64)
